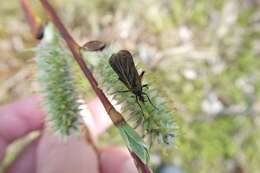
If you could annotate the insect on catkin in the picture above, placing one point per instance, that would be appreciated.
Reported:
(155, 120)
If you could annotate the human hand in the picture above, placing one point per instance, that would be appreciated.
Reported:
(47, 154)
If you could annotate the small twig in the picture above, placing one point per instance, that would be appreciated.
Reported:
(34, 21)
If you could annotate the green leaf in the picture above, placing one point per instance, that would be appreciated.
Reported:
(134, 142)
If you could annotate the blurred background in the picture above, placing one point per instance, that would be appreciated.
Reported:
(204, 55)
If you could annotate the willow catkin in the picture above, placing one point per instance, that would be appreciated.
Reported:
(57, 84)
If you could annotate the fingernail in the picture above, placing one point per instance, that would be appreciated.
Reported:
(129, 167)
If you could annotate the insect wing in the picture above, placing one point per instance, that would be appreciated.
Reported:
(123, 64)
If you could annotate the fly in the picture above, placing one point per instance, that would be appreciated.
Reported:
(123, 64)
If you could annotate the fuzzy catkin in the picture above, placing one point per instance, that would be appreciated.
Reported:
(157, 124)
(57, 86)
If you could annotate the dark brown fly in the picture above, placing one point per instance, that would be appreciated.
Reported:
(123, 64)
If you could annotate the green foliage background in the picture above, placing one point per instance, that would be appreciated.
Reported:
(203, 55)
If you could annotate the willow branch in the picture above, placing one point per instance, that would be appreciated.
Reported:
(34, 21)
(115, 116)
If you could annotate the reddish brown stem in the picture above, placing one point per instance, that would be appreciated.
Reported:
(143, 167)
(33, 20)
(115, 116)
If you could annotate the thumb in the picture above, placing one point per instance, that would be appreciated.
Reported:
(73, 155)
(116, 160)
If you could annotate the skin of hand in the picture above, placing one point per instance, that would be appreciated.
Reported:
(49, 154)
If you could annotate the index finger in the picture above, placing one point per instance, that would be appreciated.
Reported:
(19, 118)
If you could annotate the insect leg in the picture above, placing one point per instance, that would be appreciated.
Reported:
(141, 75)
(141, 119)
(150, 100)
(139, 105)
